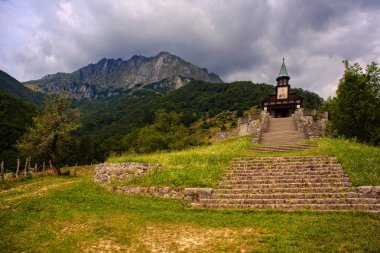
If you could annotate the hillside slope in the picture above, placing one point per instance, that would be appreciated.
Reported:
(14, 88)
(15, 117)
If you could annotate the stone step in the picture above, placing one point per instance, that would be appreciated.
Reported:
(250, 158)
(280, 137)
(283, 133)
(274, 161)
(289, 164)
(283, 162)
(286, 185)
(286, 146)
(282, 177)
(268, 171)
(290, 207)
(294, 195)
(290, 201)
(268, 174)
(278, 149)
(284, 181)
(290, 147)
(325, 189)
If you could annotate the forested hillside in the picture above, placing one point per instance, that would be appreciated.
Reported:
(15, 89)
(187, 116)
(107, 121)
(15, 117)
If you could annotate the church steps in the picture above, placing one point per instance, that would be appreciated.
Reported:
(285, 158)
(284, 181)
(285, 169)
(285, 185)
(269, 165)
(373, 208)
(326, 189)
(268, 159)
(295, 201)
(293, 195)
(279, 149)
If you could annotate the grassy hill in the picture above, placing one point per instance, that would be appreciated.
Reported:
(15, 89)
(15, 117)
(108, 120)
(203, 166)
(73, 214)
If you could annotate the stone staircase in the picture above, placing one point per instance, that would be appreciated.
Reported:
(282, 148)
(282, 136)
(288, 183)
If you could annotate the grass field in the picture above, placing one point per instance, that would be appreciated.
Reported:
(73, 214)
(204, 166)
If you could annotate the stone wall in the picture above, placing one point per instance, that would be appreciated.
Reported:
(261, 127)
(226, 135)
(106, 172)
(190, 195)
(252, 124)
(311, 122)
(369, 191)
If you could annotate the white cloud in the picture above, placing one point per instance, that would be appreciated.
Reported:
(239, 40)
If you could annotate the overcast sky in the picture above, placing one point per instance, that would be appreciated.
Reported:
(238, 40)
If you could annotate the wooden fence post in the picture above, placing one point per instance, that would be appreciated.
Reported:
(35, 167)
(18, 168)
(26, 166)
(2, 171)
(43, 168)
(29, 162)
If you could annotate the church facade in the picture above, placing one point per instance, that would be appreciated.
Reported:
(283, 103)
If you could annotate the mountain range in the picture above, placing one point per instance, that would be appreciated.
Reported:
(108, 77)
(117, 97)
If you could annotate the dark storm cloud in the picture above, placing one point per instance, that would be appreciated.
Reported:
(239, 40)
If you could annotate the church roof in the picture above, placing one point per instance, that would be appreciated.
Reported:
(283, 71)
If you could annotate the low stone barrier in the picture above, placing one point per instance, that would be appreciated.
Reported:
(105, 172)
(190, 195)
(369, 191)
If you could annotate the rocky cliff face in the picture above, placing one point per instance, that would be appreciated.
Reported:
(111, 77)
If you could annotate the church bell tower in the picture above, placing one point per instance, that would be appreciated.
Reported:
(282, 103)
(282, 89)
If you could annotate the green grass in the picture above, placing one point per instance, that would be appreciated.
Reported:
(195, 167)
(72, 214)
(204, 166)
(361, 162)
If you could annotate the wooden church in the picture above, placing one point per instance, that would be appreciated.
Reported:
(283, 103)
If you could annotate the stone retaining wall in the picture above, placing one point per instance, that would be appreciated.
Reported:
(369, 191)
(190, 195)
(106, 172)
(311, 122)
(253, 124)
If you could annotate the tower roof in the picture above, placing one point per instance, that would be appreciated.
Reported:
(283, 71)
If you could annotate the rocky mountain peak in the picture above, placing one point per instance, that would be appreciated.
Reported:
(109, 77)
